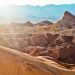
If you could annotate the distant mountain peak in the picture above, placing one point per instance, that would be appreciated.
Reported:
(68, 20)
(28, 23)
(45, 22)
(68, 15)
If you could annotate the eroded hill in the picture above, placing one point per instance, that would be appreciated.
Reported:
(13, 62)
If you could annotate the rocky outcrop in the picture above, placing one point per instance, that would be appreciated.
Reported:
(68, 21)
(41, 51)
(34, 50)
(66, 53)
(61, 49)
(62, 39)
(65, 49)
(37, 40)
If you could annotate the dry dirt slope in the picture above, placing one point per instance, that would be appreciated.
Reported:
(13, 62)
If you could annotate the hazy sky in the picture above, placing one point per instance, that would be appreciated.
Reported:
(36, 2)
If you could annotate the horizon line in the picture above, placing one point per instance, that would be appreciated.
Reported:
(36, 5)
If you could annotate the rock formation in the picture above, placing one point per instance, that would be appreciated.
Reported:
(13, 62)
(68, 21)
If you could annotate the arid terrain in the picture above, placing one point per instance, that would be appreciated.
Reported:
(44, 48)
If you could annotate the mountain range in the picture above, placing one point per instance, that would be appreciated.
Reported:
(18, 13)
